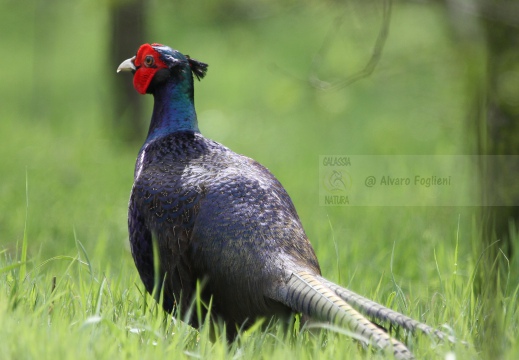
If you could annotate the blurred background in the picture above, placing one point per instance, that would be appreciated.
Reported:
(445, 81)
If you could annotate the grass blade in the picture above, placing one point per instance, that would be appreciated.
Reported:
(23, 255)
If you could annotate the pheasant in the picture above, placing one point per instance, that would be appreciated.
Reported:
(200, 212)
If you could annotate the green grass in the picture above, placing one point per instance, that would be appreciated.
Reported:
(83, 310)
(65, 176)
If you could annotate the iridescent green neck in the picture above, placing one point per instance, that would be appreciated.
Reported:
(174, 108)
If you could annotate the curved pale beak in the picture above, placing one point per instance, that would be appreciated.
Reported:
(127, 65)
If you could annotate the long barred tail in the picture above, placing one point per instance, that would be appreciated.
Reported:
(375, 310)
(318, 298)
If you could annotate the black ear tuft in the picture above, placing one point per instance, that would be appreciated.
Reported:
(198, 68)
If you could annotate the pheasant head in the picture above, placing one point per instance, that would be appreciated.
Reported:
(168, 75)
(156, 63)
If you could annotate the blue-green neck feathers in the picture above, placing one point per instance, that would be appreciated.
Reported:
(174, 108)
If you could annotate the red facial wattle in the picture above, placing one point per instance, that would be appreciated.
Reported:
(148, 62)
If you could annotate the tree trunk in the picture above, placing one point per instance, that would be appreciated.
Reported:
(501, 189)
(128, 23)
(500, 171)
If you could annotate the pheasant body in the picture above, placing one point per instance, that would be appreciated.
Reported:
(198, 199)
(200, 212)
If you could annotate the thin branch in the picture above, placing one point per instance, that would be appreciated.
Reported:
(314, 80)
(370, 66)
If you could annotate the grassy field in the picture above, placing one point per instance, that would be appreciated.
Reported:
(68, 286)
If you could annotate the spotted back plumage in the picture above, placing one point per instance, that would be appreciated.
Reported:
(215, 216)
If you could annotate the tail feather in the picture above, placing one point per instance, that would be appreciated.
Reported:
(312, 295)
(380, 312)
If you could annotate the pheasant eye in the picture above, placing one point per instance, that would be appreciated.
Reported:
(149, 60)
